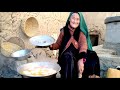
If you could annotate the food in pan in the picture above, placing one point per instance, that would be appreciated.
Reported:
(39, 71)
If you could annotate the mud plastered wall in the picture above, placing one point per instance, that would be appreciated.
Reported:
(11, 24)
(95, 21)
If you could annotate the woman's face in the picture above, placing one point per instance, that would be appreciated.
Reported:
(74, 20)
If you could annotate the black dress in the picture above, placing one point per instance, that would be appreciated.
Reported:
(68, 63)
(69, 66)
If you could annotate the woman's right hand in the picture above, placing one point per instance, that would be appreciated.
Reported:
(50, 47)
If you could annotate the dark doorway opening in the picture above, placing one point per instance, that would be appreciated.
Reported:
(94, 39)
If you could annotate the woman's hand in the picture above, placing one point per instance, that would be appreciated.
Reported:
(81, 66)
(50, 47)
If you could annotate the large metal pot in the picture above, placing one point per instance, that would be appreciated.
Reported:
(47, 64)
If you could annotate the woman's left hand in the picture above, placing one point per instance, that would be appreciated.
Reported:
(80, 66)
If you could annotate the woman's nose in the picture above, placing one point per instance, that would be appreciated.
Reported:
(76, 21)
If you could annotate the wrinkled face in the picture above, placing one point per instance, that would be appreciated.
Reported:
(74, 20)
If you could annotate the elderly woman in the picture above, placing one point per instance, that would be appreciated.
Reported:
(73, 43)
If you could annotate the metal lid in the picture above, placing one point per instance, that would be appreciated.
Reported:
(112, 19)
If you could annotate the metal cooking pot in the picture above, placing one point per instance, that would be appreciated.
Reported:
(47, 64)
(21, 54)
